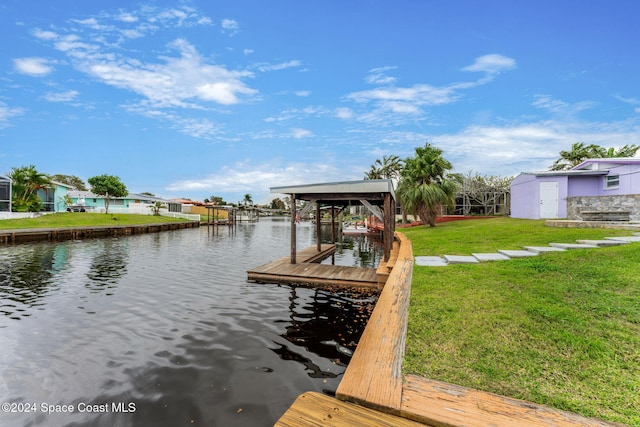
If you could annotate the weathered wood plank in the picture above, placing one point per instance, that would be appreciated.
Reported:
(317, 410)
(309, 271)
(441, 404)
(374, 375)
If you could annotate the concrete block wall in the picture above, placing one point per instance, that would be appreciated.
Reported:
(630, 203)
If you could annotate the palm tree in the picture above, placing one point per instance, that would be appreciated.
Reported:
(425, 186)
(374, 173)
(26, 181)
(248, 200)
(389, 167)
(580, 152)
(624, 151)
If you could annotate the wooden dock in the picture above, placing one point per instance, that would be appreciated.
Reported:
(309, 271)
(375, 392)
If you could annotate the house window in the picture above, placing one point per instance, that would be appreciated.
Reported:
(611, 182)
(117, 202)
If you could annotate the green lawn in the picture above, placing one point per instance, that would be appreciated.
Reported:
(82, 219)
(560, 329)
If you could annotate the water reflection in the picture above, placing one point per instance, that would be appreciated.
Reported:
(109, 263)
(359, 250)
(328, 324)
(169, 322)
(25, 277)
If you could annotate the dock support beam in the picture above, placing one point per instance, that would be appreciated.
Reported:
(318, 227)
(389, 225)
(293, 229)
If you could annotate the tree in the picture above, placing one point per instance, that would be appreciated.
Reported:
(219, 201)
(108, 186)
(26, 181)
(278, 204)
(72, 180)
(387, 168)
(425, 185)
(485, 192)
(390, 167)
(155, 208)
(580, 152)
(374, 173)
(624, 151)
(248, 200)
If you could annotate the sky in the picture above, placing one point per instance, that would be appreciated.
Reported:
(225, 98)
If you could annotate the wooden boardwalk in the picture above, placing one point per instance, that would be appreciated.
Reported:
(309, 271)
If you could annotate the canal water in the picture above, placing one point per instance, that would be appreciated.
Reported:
(163, 329)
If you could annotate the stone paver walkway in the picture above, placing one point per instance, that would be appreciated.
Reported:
(507, 254)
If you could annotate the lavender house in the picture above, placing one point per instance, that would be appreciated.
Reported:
(611, 184)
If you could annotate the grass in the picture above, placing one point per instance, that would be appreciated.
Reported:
(82, 219)
(561, 329)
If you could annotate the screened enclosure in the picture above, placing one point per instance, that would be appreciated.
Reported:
(5, 194)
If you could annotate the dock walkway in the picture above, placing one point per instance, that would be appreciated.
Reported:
(309, 271)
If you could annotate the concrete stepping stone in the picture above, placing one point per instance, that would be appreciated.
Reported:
(460, 259)
(625, 238)
(430, 261)
(543, 249)
(491, 257)
(603, 242)
(517, 253)
(572, 245)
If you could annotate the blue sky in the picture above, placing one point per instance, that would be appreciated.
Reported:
(201, 98)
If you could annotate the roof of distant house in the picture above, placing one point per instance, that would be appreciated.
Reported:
(187, 202)
(613, 161)
(604, 164)
(134, 196)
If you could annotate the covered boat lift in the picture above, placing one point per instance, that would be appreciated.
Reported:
(375, 194)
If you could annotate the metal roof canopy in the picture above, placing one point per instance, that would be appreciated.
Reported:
(341, 193)
(378, 192)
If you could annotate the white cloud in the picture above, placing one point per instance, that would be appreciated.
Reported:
(61, 96)
(492, 64)
(230, 26)
(405, 99)
(548, 103)
(202, 128)
(298, 133)
(6, 113)
(558, 106)
(277, 67)
(179, 81)
(303, 93)
(44, 35)
(256, 179)
(394, 104)
(378, 76)
(36, 67)
(511, 149)
(344, 113)
(127, 17)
